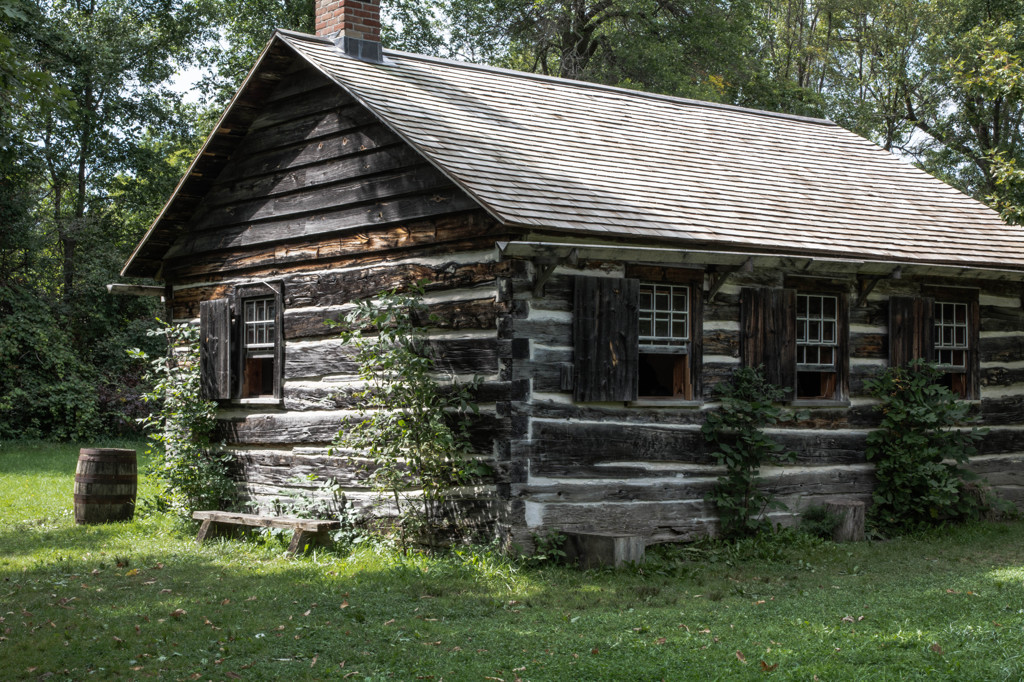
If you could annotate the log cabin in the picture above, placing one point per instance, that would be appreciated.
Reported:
(601, 258)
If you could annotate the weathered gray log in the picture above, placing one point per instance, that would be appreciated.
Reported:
(451, 233)
(349, 218)
(851, 515)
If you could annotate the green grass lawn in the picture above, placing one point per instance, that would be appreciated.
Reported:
(945, 605)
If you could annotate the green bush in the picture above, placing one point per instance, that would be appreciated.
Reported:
(181, 427)
(735, 433)
(917, 450)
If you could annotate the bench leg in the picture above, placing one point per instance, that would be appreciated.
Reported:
(204, 531)
(299, 541)
(301, 538)
(211, 529)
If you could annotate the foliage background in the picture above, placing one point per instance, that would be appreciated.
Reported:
(93, 137)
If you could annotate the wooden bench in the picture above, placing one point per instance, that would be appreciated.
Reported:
(307, 531)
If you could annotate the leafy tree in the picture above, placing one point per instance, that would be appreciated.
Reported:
(86, 114)
(245, 27)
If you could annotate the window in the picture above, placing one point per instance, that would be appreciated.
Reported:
(941, 327)
(259, 343)
(816, 345)
(664, 326)
(637, 337)
(241, 347)
(799, 335)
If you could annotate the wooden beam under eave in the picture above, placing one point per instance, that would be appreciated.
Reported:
(135, 290)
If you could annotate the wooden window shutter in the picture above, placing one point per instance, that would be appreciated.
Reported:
(973, 355)
(605, 338)
(768, 332)
(215, 348)
(911, 319)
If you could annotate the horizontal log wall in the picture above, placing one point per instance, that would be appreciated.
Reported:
(322, 199)
(646, 470)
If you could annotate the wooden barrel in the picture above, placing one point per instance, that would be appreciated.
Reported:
(106, 482)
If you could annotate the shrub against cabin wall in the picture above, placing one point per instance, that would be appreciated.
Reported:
(921, 434)
(194, 471)
(735, 432)
(414, 433)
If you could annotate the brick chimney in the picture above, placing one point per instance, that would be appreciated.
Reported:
(354, 25)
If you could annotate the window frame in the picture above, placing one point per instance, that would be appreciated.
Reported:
(687, 357)
(968, 296)
(243, 295)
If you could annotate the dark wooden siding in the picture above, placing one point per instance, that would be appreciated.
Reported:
(323, 199)
(608, 466)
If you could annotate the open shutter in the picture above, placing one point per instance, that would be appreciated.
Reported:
(768, 332)
(215, 348)
(973, 356)
(606, 338)
(911, 322)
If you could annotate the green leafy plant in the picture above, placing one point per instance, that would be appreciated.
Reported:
(819, 522)
(917, 450)
(195, 472)
(735, 433)
(413, 430)
(548, 548)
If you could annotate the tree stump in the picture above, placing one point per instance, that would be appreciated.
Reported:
(851, 515)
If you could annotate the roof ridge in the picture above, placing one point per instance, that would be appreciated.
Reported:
(573, 83)
(607, 88)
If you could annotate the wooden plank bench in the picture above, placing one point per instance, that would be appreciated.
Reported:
(307, 531)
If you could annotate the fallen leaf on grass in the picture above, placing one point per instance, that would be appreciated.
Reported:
(389, 622)
(165, 591)
(344, 605)
(132, 572)
(741, 657)
(351, 674)
(847, 619)
(660, 640)
(765, 668)
(252, 598)
(178, 613)
(225, 602)
(936, 648)
(595, 651)
(308, 612)
(313, 662)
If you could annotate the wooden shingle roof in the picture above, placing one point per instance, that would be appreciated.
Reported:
(572, 156)
(583, 159)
